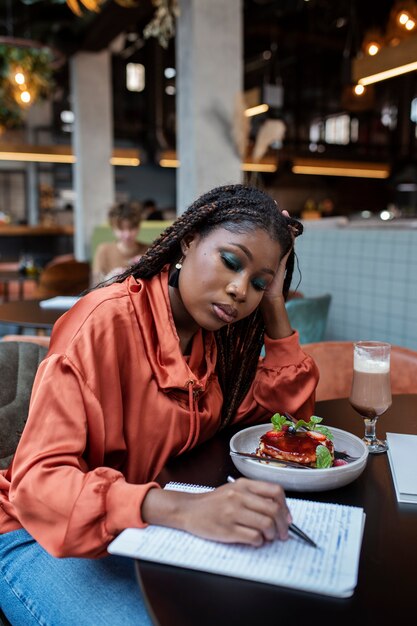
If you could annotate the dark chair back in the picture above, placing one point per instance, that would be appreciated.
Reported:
(19, 361)
(68, 278)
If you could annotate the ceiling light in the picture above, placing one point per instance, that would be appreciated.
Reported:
(67, 117)
(359, 90)
(169, 159)
(372, 41)
(61, 154)
(373, 48)
(135, 77)
(256, 110)
(170, 72)
(19, 78)
(25, 97)
(403, 17)
(340, 168)
(395, 71)
(388, 63)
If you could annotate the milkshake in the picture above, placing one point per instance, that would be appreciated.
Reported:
(371, 387)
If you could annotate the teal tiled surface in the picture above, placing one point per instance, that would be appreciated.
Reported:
(371, 275)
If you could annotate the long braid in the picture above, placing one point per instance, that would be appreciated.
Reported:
(238, 208)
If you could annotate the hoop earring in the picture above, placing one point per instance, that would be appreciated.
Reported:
(174, 278)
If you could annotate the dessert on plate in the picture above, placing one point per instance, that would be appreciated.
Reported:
(306, 443)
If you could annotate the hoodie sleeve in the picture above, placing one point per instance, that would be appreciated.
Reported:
(63, 495)
(285, 381)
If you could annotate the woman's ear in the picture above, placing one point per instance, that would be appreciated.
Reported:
(187, 242)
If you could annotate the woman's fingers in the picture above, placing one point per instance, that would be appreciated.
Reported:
(270, 503)
(258, 507)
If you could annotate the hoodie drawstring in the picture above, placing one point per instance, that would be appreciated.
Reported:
(194, 417)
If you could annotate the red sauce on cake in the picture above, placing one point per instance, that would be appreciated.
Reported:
(299, 447)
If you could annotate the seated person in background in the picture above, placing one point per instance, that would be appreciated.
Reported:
(151, 212)
(112, 258)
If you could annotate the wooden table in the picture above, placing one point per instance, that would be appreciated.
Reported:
(28, 314)
(388, 567)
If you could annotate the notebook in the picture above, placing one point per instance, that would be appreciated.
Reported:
(331, 569)
(59, 302)
(402, 455)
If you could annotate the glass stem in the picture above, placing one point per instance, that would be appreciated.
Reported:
(370, 425)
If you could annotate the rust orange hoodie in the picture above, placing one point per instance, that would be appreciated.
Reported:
(114, 399)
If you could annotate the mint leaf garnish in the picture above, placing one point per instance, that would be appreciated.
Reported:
(325, 431)
(324, 458)
(278, 421)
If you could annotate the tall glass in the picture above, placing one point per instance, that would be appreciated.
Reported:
(371, 387)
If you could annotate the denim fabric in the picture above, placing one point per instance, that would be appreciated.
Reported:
(37, 588)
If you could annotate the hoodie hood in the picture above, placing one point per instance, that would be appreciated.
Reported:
(171, 369)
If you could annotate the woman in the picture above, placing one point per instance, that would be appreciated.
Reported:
(140, 371)
(113, 257)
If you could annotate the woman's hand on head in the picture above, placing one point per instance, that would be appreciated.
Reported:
(246, 511)
(275, 289)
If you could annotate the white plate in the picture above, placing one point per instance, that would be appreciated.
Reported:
(294, 479)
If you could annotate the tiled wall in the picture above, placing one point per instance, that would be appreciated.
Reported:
(372, 276)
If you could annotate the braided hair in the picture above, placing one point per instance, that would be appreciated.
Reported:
(237, 208)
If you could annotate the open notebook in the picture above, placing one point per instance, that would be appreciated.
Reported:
(330, 569)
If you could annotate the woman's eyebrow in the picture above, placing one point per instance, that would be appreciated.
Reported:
(248, 253)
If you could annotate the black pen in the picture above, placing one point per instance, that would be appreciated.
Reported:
(292, 527)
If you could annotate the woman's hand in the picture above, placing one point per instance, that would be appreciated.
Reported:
(275, 289)
(246, 511)
(272, 305)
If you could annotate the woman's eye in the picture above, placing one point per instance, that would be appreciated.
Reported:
(231, 262)
(259, 284)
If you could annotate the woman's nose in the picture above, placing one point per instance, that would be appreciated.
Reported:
(238, 289)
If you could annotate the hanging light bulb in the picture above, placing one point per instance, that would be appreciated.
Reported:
(403, 17)
(372, 42)
(25, 97)
(359, 90)
(19, 78)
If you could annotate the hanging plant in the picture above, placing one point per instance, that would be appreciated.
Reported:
(26, 75)
(162, 25)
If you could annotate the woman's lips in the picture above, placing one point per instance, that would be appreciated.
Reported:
(225, 312)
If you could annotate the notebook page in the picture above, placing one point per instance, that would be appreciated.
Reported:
(331, 569)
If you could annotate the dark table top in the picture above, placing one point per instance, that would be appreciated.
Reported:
(386, 587)
(28, 314)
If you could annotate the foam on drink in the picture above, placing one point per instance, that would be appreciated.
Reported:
(362, 364)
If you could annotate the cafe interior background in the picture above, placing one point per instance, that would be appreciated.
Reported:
(314, 101)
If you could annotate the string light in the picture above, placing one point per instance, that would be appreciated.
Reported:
(25, 97)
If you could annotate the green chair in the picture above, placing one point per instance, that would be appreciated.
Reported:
(309, 316)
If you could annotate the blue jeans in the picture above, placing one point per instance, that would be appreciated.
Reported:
(37, 588)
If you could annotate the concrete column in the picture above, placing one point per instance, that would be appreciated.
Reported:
(38, 125)
(209, 77)
(92, 144)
